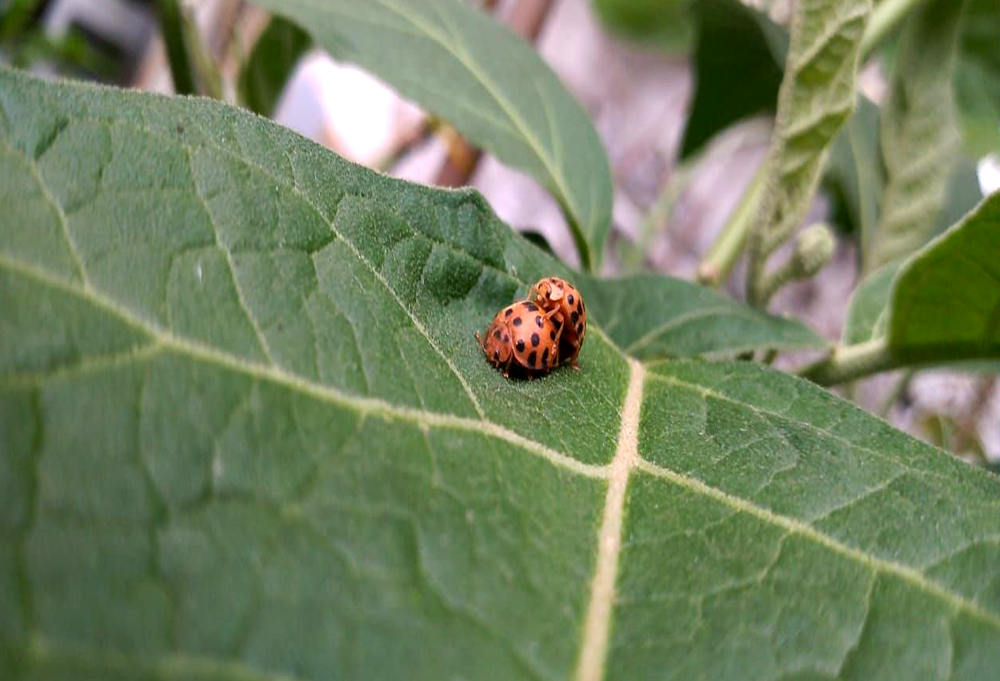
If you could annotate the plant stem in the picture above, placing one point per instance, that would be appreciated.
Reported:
(208, 77)
(721, 257)
(191, 66)
(849, 362)
(885, 16)
(172, 28)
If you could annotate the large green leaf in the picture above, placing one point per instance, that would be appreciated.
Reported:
(816, 97)
(919, 136)
(246, 433)
(652, 317)
(459, 63)
(737, 60)
(274, 56)
(946, 299)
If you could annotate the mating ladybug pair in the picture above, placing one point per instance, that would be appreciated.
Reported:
(538, 333)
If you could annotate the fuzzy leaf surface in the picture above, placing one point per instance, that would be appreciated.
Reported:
(246, 433)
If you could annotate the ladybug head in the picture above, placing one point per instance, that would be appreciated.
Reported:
(550, 288)
(497, 345)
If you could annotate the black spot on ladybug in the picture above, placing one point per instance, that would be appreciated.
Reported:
(517, 321)
(545, 357)
(531, 307)
(552, 335)
(531, 359)
(508, 312)
(520, 346)
(538, 321)
(496, 355)
(534, 340)
(496, 334)
(573, 317)
(579, 306)
(553, 280)
(579, 329)
(569, 299)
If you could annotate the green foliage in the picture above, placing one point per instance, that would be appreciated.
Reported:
(945, 301)
(651, 317)
(816, 98)
(919, 136)
(867, 308)
(854, 176)
(481, 78)
(264, 74)
(246, 433)
(665, 24)
(943, 306)
(977, 77)
(963, 194)
(737, 60)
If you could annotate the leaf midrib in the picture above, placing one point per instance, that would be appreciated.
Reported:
(374, 406)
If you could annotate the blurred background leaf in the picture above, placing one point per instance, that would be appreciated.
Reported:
(977, 77)
(738, 60)
(853, 177)
(866, 309)
(263, 75)
(663, 24)
(816, 98)
(919, 135)
(945, 301)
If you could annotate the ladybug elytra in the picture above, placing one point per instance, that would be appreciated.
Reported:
(559, 297)
(525, 335)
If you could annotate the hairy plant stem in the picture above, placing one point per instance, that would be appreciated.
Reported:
(847, 363)
(776, 279)
(728, 245)
(885, 16)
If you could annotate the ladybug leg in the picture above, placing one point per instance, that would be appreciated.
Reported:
(574, 364)
(556, 314)
(482, 344)
(506, 367)
(576, 351)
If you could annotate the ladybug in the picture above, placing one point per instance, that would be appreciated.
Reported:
(524, 335)
(555, 295)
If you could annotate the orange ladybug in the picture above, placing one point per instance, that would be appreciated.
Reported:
(524, 335)
(558, 296)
